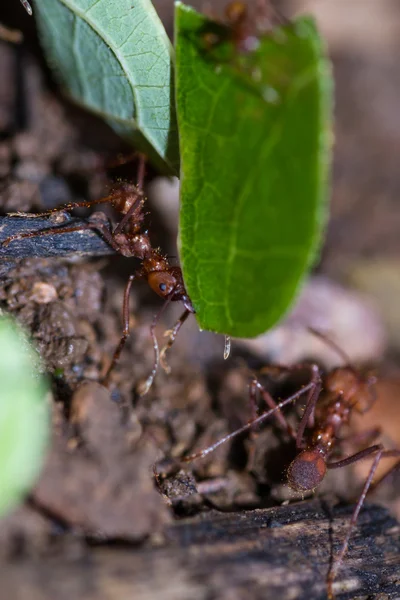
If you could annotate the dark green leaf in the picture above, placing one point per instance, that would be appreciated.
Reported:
(255, 137)
(114, 57)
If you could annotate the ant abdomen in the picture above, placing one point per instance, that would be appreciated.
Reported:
(306, 471)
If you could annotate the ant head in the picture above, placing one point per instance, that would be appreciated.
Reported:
(306, 471)
(162, 283)
(349, 384)
(343, 381)
(236, 12)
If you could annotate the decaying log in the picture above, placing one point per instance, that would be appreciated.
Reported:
(279, 553)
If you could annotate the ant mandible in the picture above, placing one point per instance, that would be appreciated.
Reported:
(330, 401)
(128, 239)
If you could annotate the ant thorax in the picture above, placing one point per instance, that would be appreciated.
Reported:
(138, 245)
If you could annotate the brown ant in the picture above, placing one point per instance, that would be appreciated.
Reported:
(331, 399)
(129, 240)
(240, 26)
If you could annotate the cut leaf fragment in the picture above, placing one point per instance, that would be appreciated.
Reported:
(114, 57)
(24, 416)
(255, 136)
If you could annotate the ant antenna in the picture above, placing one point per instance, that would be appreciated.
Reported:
(329, 342)
(27, 6)
(146, 385)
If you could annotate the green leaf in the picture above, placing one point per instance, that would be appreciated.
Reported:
(24, 416)
(255, 135)
(114, 57)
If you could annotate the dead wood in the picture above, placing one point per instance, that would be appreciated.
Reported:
(78, 243)
(277, 553)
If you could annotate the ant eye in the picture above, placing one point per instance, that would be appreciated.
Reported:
(162, 283)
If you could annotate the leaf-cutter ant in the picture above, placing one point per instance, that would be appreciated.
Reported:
(241, 26)
(330, 402)
(129, 239)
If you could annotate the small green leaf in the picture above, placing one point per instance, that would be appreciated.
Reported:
(255, 135)
(114, 57)
(24, 416)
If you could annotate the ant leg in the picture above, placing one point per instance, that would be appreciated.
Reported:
(102, 229)
(248, 425)
(333, 345)
(126, 218)
(274, 370)
(125, 333)
(63, 207)
(254, 387)
(370, 384)
(141, 171)
(172, 333)
(122, 159)
(308, 415)
(270, 402)
(312, 398)
(149, 381)
(356, 457)
(110, 199)
(56, 230)
(380, 453)
(385, 476)
(363, 437)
